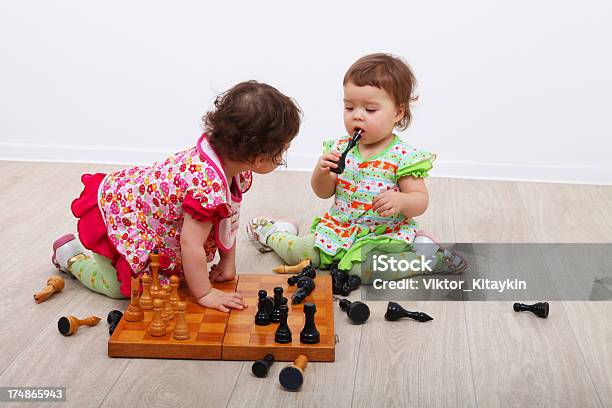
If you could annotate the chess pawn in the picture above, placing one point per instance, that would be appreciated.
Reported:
(357, 312)
(310, 334)
(69, 325)
(283, 332)
(146, 300)
(113, 318)
(167, 312)
(278, 298)
(54, 284)
(158, 326)
(134, 313)
(181, 330)
(307, 271)
(260, 368)
(540, 309)
(396, 312)
(353, 282)
(262, 317)
(292, 376)
(174, 296)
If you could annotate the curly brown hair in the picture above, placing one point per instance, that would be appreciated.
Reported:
(252, 119)
(388, 72)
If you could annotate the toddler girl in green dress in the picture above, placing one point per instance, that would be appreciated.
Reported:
(379, 192)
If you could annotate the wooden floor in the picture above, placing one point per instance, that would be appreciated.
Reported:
(472, 354)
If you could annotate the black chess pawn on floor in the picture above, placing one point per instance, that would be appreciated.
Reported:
(278, 299)
(113, 318)
(540, 309)
(310, 334)
(283, 333)
(261, 367)
(357, 312)
(396, 312)
(305, 286)
(307, 271)
(262, 317)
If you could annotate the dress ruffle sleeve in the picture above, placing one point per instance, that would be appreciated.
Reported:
(205, 208)
(416, 164)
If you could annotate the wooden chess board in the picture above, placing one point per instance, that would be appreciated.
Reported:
(206, 331)
(216, 335)
(244, 340)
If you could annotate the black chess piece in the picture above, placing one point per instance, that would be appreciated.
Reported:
(262, 317)
(305, 286)
(261, 367)
(349, 146)
(113, 318)
(540, 309)
(278, 298)
(310, 334)
(357, 312)
(283, 333)
(396, 312)
(339, 278)
(354, 282)
(307, 271)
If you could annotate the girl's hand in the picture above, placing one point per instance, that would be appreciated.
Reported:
(223, 301)
(224, 271)
(388, 203)
(328, 161)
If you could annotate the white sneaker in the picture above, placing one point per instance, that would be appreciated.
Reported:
(425, 244)
(260, 228)
(66, 250)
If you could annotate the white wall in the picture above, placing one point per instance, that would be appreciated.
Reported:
(510, 90)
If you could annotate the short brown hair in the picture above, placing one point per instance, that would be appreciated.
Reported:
(252, 119)
(388, 72)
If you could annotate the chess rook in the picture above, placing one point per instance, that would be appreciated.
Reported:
(292, 376)
(396, 312)
(134, 312)
(260, 368)
(540, 309)
(54, 284)
(69, 325)
(310, 334)
(357, 312)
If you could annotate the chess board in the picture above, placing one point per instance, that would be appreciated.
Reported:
(206, 331)
(244, 340)
(215, 335)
